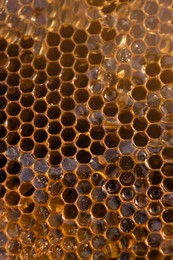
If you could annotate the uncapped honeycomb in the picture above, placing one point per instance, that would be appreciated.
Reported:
(86, 129)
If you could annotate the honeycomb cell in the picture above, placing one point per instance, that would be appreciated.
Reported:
(154, 115)
(98, 194)
(26, 85)
(111, 156)
(82, 125)
(112, 170)
(140, 140)
(67, 89)
(99, 226)
(67, 46)
(127, 193)
(98, 242)
(97, 149)
(27, 115)
(53, 69)
(84, 203)
(139, 93)
(68, 134)
(68, 150)
(67, 60)
(12, 50)
(13, 230)
(3, 75)
(97, 179)
(95, 103)
(166, 61)
(154, 240)
(40, 151)
(70, 195)
(53, 39)
(70, 211)
(124, 55)
(110, 110)
(13, 109)
(166, 76)
(152, 23)
(140, 249)
(81, 96)
(141, 217)
(155, 192)
(153, 69)
(127, 225)
(112, 187)
(81, 51)
(2, 191)
(26, 130)
(113, 234)
(40, 77)
(84, 250)
(54, 127)
(12, 183)
(12, 198)
(112, 219)
(26, 42)
(80, 36)
(69, 164)
(137, 31)
(27, 100)
(125, 116)
(141, 201)
(83, 141)
(3, 176)
(54, 142)
(26, 189)
(67, 104)
(137, 47)
(40, 106)
(84, 234)
(155, 161)
(2, 146)
(155, 208)
(26, 175)
(26, 57)
(127, 209)
(52, 54)
(126, 163)
(123, 24)
(66, 31)
(111, 140)
(127, 179)
(81, 80)
(55, 220)
(39, 62)
(98, 210)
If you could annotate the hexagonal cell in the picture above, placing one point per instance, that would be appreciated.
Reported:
(66, 30)
(137, 31)
(108, 34)
(53, 39)
(80, 36)
(53, 54)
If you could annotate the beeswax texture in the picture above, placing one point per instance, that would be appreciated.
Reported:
(86, 129)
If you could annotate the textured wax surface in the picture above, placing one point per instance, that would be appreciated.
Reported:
(86, 129)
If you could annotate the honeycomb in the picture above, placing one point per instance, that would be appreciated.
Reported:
(86, 129)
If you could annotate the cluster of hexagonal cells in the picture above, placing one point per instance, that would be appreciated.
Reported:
(86, 137)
